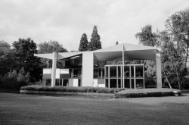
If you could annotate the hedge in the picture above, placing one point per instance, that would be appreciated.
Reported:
(70, 89)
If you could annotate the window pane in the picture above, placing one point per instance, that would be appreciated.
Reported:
(113, 71)
(119, 71)
(139, 71)
(127, 74)
(113, 83)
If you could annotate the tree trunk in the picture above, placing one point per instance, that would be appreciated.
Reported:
(186, 59)
(168, 82)
(179, 81)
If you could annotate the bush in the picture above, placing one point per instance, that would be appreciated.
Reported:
(11, 84)
(13, 80)
(150, 82)
(147, 93)
(70, 89)
(186, 83)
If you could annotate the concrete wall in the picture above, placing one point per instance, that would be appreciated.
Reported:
(158, 70)
(87, 69)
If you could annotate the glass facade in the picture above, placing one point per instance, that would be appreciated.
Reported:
(131, 76)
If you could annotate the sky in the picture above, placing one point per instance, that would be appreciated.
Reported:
(66, 20)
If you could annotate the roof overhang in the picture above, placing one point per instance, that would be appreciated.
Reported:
(59, 55)
(130, 52)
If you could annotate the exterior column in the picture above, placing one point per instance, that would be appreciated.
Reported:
(53, 72)
(134, 66)
(158, 70)
(123, 63)
(87, 69)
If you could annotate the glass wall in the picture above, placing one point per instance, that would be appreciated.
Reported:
(133, 76)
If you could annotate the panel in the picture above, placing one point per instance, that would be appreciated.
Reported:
(113, 71)
(127, 71)
(106, 82)
(127, 83)
(132, 83)
(119, 83)
(113, 83)
(87, 69)
(139, 71)
(132, 71)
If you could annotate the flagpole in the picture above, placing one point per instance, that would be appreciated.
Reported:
(123, 66)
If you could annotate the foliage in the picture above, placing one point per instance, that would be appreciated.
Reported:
(178, 27)
(173, 62)
(95, 42)
(147, 93)
(13, 80)
(4, 47)
(7, 62)
(51, 46)
(83, 46)
(147, 37)
(24, 52)
(70, 89)
(174, 44)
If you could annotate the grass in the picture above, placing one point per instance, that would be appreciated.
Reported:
(20, 109)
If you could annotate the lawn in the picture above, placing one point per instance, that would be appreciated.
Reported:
(20, 109)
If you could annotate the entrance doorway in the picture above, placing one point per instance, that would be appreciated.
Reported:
(133, 76)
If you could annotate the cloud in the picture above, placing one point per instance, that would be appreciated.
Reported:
(66, 20)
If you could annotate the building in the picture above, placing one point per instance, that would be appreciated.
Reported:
(119, 66)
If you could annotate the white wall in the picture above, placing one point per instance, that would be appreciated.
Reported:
(158, 70)
(87, 69)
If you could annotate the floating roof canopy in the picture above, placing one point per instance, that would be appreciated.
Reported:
(59, 56)
(130, 52)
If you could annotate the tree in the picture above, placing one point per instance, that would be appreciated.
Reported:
(95, 42)
(147, 37)
(83, 46)
(51, 46)
(4, 47)
(7, 62)
(172, 61)
(24, 52)
(5, 58)
(117, 42)
(178, 27)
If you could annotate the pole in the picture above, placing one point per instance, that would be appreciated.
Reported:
(123, 66)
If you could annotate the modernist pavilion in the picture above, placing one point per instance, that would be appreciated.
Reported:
(119, 66)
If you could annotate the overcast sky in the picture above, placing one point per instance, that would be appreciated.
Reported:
(66, 20)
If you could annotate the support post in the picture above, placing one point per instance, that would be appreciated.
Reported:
(109, 76)
(134, 66)
(87, 69)
(53, 72)
(123, 63)
(130, 77)
(158, 70)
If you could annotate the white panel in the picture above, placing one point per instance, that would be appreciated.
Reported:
(95, 83)
(64, 71)
(57, 73)
(75, 82)
(47, 71)
(101, 85)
